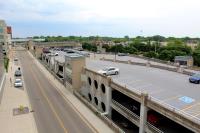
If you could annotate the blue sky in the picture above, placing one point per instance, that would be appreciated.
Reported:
(115, 18)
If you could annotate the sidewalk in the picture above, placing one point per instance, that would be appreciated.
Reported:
(13, 98)
(85, 113)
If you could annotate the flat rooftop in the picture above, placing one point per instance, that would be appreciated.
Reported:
(168, 87)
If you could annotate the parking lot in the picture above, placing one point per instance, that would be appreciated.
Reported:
(170, 88)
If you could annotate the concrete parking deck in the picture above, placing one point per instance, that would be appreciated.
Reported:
(170, 88)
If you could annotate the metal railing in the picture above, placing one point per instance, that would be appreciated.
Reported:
(137, 118)
(126, 110)
(153, 128)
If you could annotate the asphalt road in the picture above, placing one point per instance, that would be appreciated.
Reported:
(51, 112)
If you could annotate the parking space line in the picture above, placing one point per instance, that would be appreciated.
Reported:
(157, 91)
(197, 114)
(190, 106)
(171, 98)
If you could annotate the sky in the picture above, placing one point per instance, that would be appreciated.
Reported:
(115, 18)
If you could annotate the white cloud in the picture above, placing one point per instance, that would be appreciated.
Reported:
(150, 15)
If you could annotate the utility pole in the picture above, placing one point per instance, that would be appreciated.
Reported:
(115, 51)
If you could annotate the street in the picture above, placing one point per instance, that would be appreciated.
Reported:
(51, 112)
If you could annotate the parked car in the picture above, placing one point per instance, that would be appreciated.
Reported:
(15, 59)
(18, 73)
(195, 78)
(18, 83)
(109, 71)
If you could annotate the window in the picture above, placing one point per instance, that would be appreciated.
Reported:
(96, 101)
(103, 88)
(90, 97)
(89, 81)
(103, 106)
(111, 69)
(95, 84)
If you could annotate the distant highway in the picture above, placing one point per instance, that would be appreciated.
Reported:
(51, 112)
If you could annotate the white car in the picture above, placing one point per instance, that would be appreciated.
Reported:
(18, 83)
(109, 71)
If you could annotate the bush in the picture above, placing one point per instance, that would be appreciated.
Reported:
(6, 63)
(21, 108)
(196, 56)
(151, 54)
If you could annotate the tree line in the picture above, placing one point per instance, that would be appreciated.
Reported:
(147, 46)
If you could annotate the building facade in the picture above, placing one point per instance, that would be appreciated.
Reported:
(5, 36)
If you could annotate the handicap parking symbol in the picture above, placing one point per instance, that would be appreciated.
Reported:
(186, 99)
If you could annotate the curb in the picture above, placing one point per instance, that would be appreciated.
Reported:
(2, 86)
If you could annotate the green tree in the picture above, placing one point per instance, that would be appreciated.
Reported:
(196, 56)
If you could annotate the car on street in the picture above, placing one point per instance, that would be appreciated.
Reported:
(18, 73)
(15, 59)
(109, 71)
(18, 83)
(195, 78)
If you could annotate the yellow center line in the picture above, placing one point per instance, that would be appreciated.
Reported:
(48, 101)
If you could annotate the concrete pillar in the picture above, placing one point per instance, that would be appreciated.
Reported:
(109, 97)
(143, 113)
(54, 64)
(48, 62)
(148, 64)
(64, 74)
(180, 69)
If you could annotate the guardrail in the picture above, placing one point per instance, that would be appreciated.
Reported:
(136, 117)
(153, 128)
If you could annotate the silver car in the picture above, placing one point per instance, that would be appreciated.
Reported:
(18, 83)
(109, 71)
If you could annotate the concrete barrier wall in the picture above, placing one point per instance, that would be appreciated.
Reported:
(168, 68)
(188, 72)
(103, 97)
(174, 114)
(104, 118)
(154, 60)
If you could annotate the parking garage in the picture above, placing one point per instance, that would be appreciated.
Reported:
(107, 99)
(139, 79)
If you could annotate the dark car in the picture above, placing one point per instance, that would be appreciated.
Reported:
(195, 78)
(18, 73)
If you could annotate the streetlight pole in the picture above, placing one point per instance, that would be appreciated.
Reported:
(115, 51)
